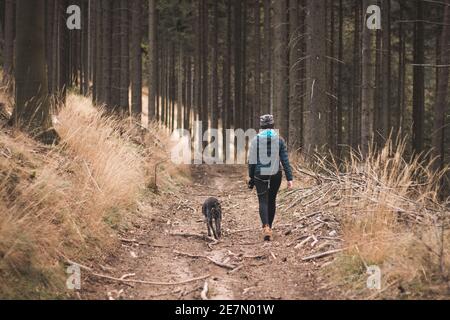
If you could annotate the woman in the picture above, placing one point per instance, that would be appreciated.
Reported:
(266, 152)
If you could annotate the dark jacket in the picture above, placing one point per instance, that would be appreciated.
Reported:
(269, 164)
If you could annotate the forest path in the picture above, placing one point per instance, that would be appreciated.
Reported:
(267, 270)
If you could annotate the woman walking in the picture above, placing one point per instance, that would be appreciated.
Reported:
(266, 152)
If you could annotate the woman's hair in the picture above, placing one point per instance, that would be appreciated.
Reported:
(267, 126)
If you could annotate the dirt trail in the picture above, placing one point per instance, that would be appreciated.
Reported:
(269, 270)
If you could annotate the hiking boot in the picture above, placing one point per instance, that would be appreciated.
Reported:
(267, 232)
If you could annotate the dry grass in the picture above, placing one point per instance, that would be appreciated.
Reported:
(393, 218)
(69, 200)
(390, 216)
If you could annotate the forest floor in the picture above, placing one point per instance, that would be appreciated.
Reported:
(246, 268)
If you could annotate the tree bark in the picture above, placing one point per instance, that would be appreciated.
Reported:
(153, 62)
(124, 57)
(355, 131)
(237, 64)
(116, 46)
(99, 89)
(385, 85)
(8, 63)
(32, 110)
(50, 18)
(418, 79)
(257, 57)
(281, 72)
(368, 86)
(136, 59)
(438, 136)
(215, 70)
(106, 52)
(316, 113)
(295, 119)
(189, 89)
(340, 94)
(267, 73)
(227, 108)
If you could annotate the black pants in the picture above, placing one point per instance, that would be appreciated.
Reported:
(267, 188)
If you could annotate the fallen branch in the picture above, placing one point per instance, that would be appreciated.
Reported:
(127, 276)
(195, 235)
(321, 255)
(301, 244)
(141, 243)
(309, 215)
(204, 293)
(220, 264)
(236, 269)
(156, 283)
(128, 240)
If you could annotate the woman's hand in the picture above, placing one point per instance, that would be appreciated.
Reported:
(290, 185)
(251, 184)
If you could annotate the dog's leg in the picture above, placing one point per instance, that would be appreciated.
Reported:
(218, 227)
(208, 224)
(213, 230)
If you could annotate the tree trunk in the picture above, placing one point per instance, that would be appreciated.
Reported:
(179, 96)
(116, 54)
(205, 37)
(377, 125)
(257, 56)
(84, 50)
(92, 48)
(227, 108)
(295, 118)
(152, 56)
(316, 113)
(50, 18)
(32, 110)
(98, 98)
(340, 95)
(246, 107)
(267, 73)
(331, 79)
(355, 132)
(441, 103)
(215, 70)
(124, 57)
(8, 63)
(385, 85)
(418, 79)
(237, 64)
(188, 106)
(367, 98)
(172, 85)
(106, 52)
(136, 59)
(281, 85)
(163, 84)
(55, 50)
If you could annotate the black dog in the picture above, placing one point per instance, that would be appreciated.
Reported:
(213, 211)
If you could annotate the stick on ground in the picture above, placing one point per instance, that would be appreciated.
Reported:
(156, 283)
(204, 293)
(220, 264)
(322, 254)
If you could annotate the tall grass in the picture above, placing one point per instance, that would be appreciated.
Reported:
(68, 200)
(389, 213)
(392, 217)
